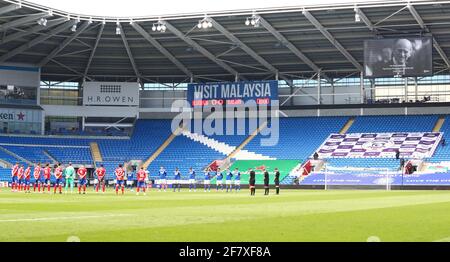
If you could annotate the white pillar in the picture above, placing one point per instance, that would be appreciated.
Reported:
(332, 92)
(361, 85)
(318, 87)
(406, 89)
(416, 89)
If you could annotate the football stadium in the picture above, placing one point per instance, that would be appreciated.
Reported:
(302, 123)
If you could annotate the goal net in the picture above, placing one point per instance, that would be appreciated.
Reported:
(357, 178)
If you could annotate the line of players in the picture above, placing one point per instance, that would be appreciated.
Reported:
(21, 179)
(231, 178)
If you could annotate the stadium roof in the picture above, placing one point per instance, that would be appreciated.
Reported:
(291, 42)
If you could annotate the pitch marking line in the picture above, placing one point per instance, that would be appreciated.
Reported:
(57, 218)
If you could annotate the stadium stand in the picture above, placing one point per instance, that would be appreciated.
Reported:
(298, 140)
(299, 137)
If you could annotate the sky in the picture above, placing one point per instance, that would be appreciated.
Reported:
(128, 8)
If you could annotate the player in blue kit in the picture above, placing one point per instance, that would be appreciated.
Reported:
(192, 183)
(162, 179)
(219, 178)
(207, 180)
(228, 180)
(237, 180)
(177, 179)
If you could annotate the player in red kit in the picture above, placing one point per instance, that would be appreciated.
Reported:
(27, 177)
(120, 174)
(141, 178)
(21, 175)
(59, 179)
(47, 177)
(82, 172)
(14, 177)
(37, 177)
(101, 172)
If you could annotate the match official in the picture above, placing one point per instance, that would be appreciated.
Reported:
(251, 182)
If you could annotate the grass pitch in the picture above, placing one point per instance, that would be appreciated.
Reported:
(295, 215)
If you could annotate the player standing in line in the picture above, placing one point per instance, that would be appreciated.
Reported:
(277, 181)
(130, 180)
(21, 177)
(228, 180)
(266, 182)
(219, 178)
(141, 176)
(120, 175)
(47, 176)
(27, 179)
(237, 180)
(192, 182)
(70, 175)
(252, 182)
(37, 177)
(82, 172)
(207, 180)
(177, 179)
(162, 178)
(100, 171)
(14, 179)
(59, 178)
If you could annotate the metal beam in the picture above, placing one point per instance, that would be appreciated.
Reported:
(21, 21)
(91, 56)
(33, 30)
(202, 50)
(333, 40)
(422, 25)
(36, 41)
(68, 40)
(290, 46)
(243, 46)
(130, 55)
(161, 49)
(70, 69)
(366, 20)
(8, 8)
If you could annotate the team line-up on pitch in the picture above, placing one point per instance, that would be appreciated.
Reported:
(21, 179)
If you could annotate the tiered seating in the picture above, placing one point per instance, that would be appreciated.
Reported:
(233, 139)
(298, 137)
(8, 158)
(33, 154)
(379, 124)
(442, 153)
(184, 153)
(390, 163)
(74, 155)
(148, 136)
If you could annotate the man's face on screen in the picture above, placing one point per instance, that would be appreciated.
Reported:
(402, 51)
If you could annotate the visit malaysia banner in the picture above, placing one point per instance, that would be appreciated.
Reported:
(232, 93)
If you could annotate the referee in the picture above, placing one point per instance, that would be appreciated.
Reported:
(277, 181)
(266, 182)
(251, 182)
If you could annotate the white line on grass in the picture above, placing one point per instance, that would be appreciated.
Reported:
(443, 240)
(57, 218)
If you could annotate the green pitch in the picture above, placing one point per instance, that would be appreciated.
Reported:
(295, 215)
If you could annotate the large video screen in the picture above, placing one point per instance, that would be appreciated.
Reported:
(10, 94)
(400, 57)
